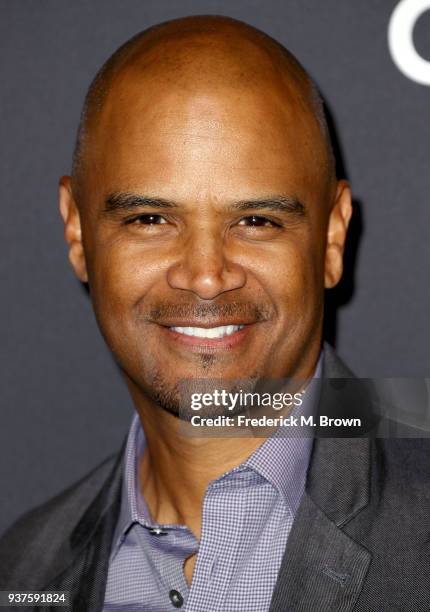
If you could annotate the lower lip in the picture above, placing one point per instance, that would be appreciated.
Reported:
(210, 344)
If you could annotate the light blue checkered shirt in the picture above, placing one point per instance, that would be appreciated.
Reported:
(247, 516)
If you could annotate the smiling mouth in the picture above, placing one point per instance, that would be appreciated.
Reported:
(207, 338)
(208, 332)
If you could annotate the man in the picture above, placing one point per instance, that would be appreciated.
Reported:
(205, 215)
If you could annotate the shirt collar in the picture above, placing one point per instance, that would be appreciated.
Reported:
(133, 507)
(283, 459)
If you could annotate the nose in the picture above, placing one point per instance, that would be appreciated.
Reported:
(205, 268)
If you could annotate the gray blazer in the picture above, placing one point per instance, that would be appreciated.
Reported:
(360, 540)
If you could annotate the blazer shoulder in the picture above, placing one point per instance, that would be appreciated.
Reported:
(407, 458)
(41, 531)
(402, 482)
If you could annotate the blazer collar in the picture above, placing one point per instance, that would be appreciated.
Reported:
(81, 564)
(339, 473)
(106, 498)
(323, 568)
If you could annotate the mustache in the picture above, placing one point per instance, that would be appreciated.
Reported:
(208, 311)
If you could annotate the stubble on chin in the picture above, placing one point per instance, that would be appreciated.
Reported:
(166, 394)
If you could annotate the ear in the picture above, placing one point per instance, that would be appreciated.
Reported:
(72, 228)
(336, 234)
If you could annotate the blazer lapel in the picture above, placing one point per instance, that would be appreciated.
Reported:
(86, 577)
(84, 560)
(323, 568)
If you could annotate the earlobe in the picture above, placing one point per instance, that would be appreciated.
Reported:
(340, 216)
(72, 228)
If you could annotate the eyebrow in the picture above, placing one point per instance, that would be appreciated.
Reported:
(280, 203)
(117, 202)
(129, 201)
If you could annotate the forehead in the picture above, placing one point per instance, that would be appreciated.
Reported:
(157, 134)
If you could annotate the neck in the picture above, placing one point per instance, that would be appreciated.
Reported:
(175, 470)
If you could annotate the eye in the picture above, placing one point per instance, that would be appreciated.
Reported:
(147, 219)
(258, 221)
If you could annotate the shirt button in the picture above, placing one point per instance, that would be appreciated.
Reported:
(176, 598)
(157, 531)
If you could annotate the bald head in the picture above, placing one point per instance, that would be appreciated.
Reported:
(193, 54)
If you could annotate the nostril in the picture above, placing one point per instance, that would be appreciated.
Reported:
(205, 278)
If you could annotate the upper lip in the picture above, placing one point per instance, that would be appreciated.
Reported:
(204, 324)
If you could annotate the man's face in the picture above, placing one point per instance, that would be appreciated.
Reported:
(204, 230)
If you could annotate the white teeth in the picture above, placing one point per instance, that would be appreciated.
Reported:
(212, 332)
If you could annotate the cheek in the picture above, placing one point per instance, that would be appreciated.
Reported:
(120, 282)
(121, 278)
(292, 276)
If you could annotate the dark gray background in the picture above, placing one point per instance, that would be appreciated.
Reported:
(63, 404)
